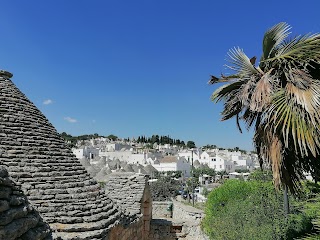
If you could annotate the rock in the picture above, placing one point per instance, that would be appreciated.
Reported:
(4, 205)
(3, 172)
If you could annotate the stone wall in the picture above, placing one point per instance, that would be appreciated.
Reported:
(180, 211)
(18, 219)
(159, 210)
(133, 231)
(184, 224)
(185, 212)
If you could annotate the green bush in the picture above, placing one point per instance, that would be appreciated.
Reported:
(250, 210)
(309, 190)
(299, 223)
(164, 189)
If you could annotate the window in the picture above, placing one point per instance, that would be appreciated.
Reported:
(220, 166)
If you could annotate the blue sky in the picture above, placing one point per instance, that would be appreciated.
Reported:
(134, 68)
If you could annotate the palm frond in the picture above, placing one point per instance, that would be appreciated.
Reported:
(246, 90)
(223, 78)
(240, 63)
(231, 109)
(273, 37)
(294, 124)
(225, 90)
(250, 117)
(261, 95)
(275, 155)
(304, 90)
(302, 50)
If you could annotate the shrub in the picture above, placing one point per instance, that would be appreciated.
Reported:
(250, 210)
(164, 189)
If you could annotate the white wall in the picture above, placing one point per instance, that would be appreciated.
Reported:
(184, 166)
(220, 164)
(87, 152)
(188, 155)
(78, 152)
(181, 165)
(164, 167)
(110, 147)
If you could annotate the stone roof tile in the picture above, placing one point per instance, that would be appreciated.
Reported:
(127, 189)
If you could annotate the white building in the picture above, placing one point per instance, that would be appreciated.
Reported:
(173, 163)
(111, 147)
(86, 152)
(167, 149)
(243, 162)
(217, 162)
(189, 155)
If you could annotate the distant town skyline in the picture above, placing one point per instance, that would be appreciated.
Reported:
(132, 68)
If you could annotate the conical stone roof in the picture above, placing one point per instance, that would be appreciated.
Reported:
(100, 177)
(50, 175)
(85, 162)
(127, 189)
(123, 164)
(128, 168)
(150, 169)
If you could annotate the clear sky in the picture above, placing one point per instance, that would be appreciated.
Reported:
(134, 68)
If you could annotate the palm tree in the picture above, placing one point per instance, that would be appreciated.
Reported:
(280, 99)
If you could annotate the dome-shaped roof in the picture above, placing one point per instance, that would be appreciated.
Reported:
(150, 169)
(123, 164)
(128, 168)
(36, 155)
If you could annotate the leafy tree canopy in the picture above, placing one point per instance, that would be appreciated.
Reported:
(112, 137)
(191, 144)
(164, 189)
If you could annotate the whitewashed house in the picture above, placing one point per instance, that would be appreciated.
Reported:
(242, 162)
(217, 162)
(167, 149)
(111, 147)
(189, 154)
(88, 152)
(173, 163)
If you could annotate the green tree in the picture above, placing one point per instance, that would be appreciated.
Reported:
(191, 144)
(201, 171)
(164, 189)
(70, 140)
(280, 98)
(112, 137)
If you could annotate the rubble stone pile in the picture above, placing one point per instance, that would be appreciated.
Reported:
(18, 219)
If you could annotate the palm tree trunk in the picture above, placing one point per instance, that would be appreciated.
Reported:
(285, 200)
